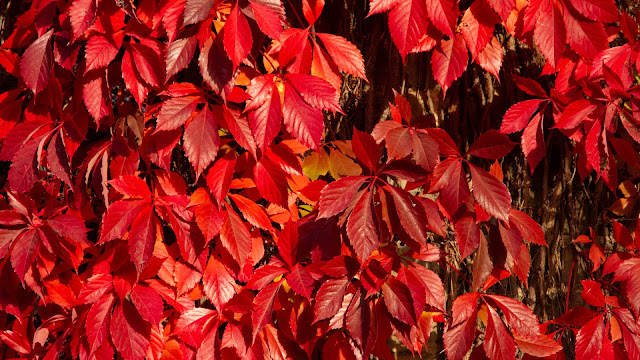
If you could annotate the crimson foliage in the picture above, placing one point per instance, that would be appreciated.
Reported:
(171, 194)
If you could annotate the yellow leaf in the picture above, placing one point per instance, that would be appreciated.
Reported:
(316, 164)
(340, 165)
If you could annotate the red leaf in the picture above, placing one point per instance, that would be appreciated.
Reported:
(586, 38)
(263, 307)
(533, 142)
(218, 284)
(482, 265)
(382, 129)
(396, 142)
(149, 64)
(142, 237)
(498, 343)
(365, 149)
(263, 276)
(529, 86)
(311, 10)
(336, 196)
(490, 58)
(503, 7)
(380, 6)
(451, 181)
(201, 140)
(467, 234)
(491, 145)
(477, 26)
(449, 60)
(362, 227)
(98, 320)
(235, 237)
(432, 284)
(604, 11)
(592, 293)
(25, 249)
(237, 36)
(240, 130)
(196, 10)
(590, 338)
(329, 298)
(425, 150)
(529, 228)
(574, 114)
(179, 54)
(443, 14)
(519, 317)
(215, 66)
(397, 298)
(132, 186)
(315, 91)
(219, 177)
(458, 339)
(346, 55)
(251, 211)
(129, 332)
(209, 219)
(541, 346)
(132, 80)
(69, 226)
(148, 303)
(101, 50)
(407, 23)
(82, 14)
(550, 33)
(269, 16)
(411, 218)
(96, 95)
(288, 244)
(266, 117)
(518, 115)
(271, 182)
(492, 195)
(57, 158)
(37, 63)
(300, 281)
